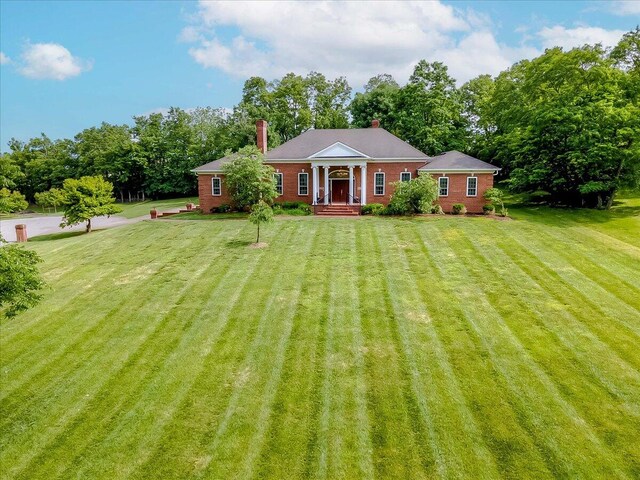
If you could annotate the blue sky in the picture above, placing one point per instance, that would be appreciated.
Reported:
(70, 65)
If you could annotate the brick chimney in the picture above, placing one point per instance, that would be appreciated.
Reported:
(375, 123)
(261, 132)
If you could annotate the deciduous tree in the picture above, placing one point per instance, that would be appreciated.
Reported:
(248, 179)
(261, 213)
(86, 198)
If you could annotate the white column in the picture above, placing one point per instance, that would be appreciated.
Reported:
(363, 185)
(350, 184)
(315, 184)
(326, 185)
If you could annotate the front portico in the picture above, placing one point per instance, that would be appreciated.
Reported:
(344, 171)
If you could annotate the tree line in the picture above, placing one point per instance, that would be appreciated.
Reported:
(566, 123)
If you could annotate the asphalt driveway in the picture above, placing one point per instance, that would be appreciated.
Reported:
(51, 224)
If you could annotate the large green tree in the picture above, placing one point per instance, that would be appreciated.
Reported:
(379, 101)
(108, 150)
(568, 123)
(86, 198)
(248, 179)
(430, 110)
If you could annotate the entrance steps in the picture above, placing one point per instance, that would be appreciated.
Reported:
(337, 210)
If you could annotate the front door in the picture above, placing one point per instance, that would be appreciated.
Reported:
(339, 190)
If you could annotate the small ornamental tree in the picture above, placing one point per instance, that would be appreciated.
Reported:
(496, 197)
(249, 180)
(261, 212)
(12, 201)
(51, 198)
(19, 279)
(86, 198)
(415, 196)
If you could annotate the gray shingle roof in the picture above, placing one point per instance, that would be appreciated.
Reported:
(455, 160)
(216, 165)
(373, 142)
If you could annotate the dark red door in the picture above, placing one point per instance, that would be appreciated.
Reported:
(339, 190)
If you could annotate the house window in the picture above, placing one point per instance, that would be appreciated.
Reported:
(443, 184)
(379, 183)
(278, 177)
(472, 186)
(303, 184)
(405, 176)
(216, 186)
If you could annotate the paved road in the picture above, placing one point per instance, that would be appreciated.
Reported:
(45, 225)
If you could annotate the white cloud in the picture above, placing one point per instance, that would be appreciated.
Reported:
(4, 59)
(624, 7)
(51, 61)
(568, 38)
(355, 39)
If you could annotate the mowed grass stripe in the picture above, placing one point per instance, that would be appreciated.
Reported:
(252, 412)
(542, 402)
(455, 425)
(618, 306)
(189, 433)
(509, 441)
(67, 284)
(157, 404)
(602, 387)
(296, 405)
(143, 385)
(152, 338)
(100, 343)
(618, 277)
(345, 448)
(418, 396)
(401, 447)
(556, 297)
(82, 327)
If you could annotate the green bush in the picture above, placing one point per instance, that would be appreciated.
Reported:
(458, 209)
(488, 209)
(372, 209)
(292, 208)
(224, 208)
(437, 209)
(415, 196)
(291, 205)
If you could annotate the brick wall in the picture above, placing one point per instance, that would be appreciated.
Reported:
(392, 175)
(206, 199)
(290, 182)
(458, 191)
(457, 185)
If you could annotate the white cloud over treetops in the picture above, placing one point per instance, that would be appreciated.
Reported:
(50, 61)
(360, 39)
(568, 38)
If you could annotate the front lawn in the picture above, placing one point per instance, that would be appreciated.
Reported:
(377, 347)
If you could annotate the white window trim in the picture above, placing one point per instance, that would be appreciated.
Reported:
(375, 184)
(299, 176)
(440, 188)
(281, 175)
(405, 173)
(220, 186)
(476, 194)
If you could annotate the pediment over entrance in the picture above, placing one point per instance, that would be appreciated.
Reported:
(338, 150)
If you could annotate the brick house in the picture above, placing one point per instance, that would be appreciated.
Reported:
(339, 170)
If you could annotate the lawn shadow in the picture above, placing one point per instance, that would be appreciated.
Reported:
(61, 235)
(238, 243)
